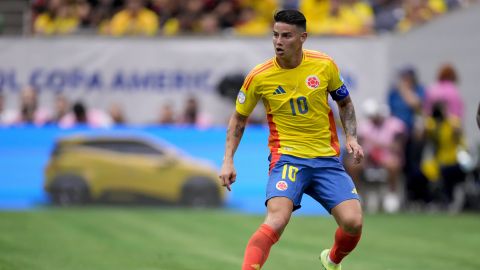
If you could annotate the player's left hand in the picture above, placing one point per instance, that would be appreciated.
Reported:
(354, 148)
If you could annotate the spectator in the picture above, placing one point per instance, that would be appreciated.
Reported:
(251, 23)
(192, 116)
(167, 116)
(382, 137)
(83, 9)
(188, 20)
(29, 112)
(60, 18)
(134, 20)
(264, 9)
(227, 13)
(62, 107)
(80, 115)
(168, 11)
(445, 90)
(255, 17)
(444, 136)
(417, 12)
(7, 117)
(3, 121)
(350, 17)
(387, 14)
(101, 15)
(190, 112)
(315, 12)
(209, 24)
(116, 114)
(405, 100)
(406, 97)
(358, 15)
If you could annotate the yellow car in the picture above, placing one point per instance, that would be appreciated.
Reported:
(127, 169)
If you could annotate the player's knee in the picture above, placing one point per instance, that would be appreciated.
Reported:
(353, 224)
(278, 222)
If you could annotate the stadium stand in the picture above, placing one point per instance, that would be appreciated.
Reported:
(14, 16)
(238, 17)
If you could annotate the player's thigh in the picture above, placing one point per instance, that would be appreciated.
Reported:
(288, 179)
(331, 185)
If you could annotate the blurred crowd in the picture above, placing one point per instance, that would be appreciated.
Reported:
(415, 150)
(66, 113)
(233, 17)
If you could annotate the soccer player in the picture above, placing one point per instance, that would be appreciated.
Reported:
(294, 86)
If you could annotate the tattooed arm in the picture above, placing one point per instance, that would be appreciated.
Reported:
(236, 127)
(349, 122)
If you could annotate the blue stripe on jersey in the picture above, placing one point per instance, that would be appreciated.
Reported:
(340, 93)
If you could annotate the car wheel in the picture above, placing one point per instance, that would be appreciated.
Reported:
(69, 190)
(200, 192)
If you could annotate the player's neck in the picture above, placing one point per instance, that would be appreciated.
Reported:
(292, 62)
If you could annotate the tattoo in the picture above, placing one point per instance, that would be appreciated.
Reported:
(347, 115)
(239, 129)
(235, 130)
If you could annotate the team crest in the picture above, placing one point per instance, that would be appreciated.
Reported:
(241, 97)
(282, 185)
(312, 82)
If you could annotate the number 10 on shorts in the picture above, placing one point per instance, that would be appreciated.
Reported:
(290, 171)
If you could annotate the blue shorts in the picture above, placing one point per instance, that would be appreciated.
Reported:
(324, 179)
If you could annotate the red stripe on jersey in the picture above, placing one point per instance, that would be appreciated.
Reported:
(256, 72)
(333, 132)
(273, 143)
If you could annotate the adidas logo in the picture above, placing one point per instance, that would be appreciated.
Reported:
(279, 91)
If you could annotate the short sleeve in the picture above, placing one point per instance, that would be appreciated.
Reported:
(248, 96)
(335, 78)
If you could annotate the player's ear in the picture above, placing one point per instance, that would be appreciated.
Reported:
(303, 36)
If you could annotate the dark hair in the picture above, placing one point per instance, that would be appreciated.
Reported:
(291, 16)
(438, 111)
(447, 73)
(409, 72)
(80, 112)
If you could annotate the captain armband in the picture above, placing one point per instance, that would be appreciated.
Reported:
(340, 93)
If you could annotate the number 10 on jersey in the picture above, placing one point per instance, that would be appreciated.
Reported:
(301, 103)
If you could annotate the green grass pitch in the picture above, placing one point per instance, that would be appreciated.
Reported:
(180, 239)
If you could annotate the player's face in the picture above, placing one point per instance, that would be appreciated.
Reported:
(287, 39)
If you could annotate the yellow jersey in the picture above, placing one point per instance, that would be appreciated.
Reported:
(48, 25)
(300, 119)
(145, 23)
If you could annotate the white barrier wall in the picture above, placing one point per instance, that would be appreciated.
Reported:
(143, 74)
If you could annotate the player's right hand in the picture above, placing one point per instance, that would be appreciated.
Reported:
(227, 174)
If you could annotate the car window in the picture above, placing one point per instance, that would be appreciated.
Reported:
(127, 147)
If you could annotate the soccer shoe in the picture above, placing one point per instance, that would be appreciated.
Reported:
(326, 263)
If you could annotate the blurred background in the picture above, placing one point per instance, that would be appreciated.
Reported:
(113, 118)
(128, 100)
